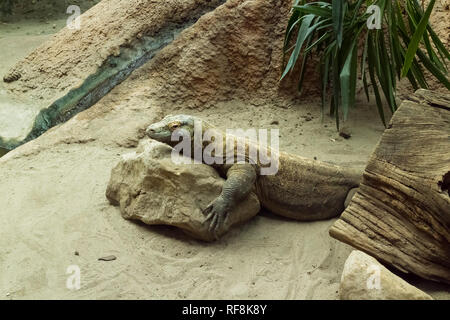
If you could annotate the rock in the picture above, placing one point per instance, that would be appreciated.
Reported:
(229, 61)
(73, 70)
(345, 132)
(150, 186)
(364, 278)
(445, 4)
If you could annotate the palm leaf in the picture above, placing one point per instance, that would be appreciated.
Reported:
(334, 29)
(416, 38)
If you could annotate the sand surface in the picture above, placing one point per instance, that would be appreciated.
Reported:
(53, 209)
(55, 214)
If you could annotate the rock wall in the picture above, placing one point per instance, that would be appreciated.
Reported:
(236, 51)
(233, 52)
(77, 67)
(72, 55)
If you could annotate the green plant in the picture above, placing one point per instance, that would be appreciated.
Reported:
(6, 6)
(336, 31)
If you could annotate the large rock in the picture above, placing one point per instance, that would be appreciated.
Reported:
(218, 59)
(237, 52)
(149, 186)
(232, 52)
(364, 278)
(77, 67)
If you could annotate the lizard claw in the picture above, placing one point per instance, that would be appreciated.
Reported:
(217, 213)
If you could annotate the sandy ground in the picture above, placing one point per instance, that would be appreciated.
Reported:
(267, 258)
(54, 214)
(17, 40)
(53, 209)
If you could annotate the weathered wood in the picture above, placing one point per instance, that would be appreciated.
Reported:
(401, 213)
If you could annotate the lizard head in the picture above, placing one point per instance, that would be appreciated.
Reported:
(162, 131)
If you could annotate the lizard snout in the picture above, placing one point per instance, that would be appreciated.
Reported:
(150, 131)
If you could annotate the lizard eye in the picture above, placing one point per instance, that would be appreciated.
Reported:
(174, 125)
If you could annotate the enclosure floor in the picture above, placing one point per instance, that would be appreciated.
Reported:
(267, 258)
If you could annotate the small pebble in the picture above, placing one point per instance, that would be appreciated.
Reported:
(108, 258)
(76, 253)
(345, 134)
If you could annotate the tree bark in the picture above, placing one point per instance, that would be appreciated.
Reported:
(401, 213)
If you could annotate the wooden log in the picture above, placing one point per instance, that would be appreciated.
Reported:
(401, 213)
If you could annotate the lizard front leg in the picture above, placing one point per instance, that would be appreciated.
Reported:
(240, 181)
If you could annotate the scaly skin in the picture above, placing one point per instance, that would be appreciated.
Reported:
(302, 189)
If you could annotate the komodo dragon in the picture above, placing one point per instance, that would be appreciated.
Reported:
(302, 189)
